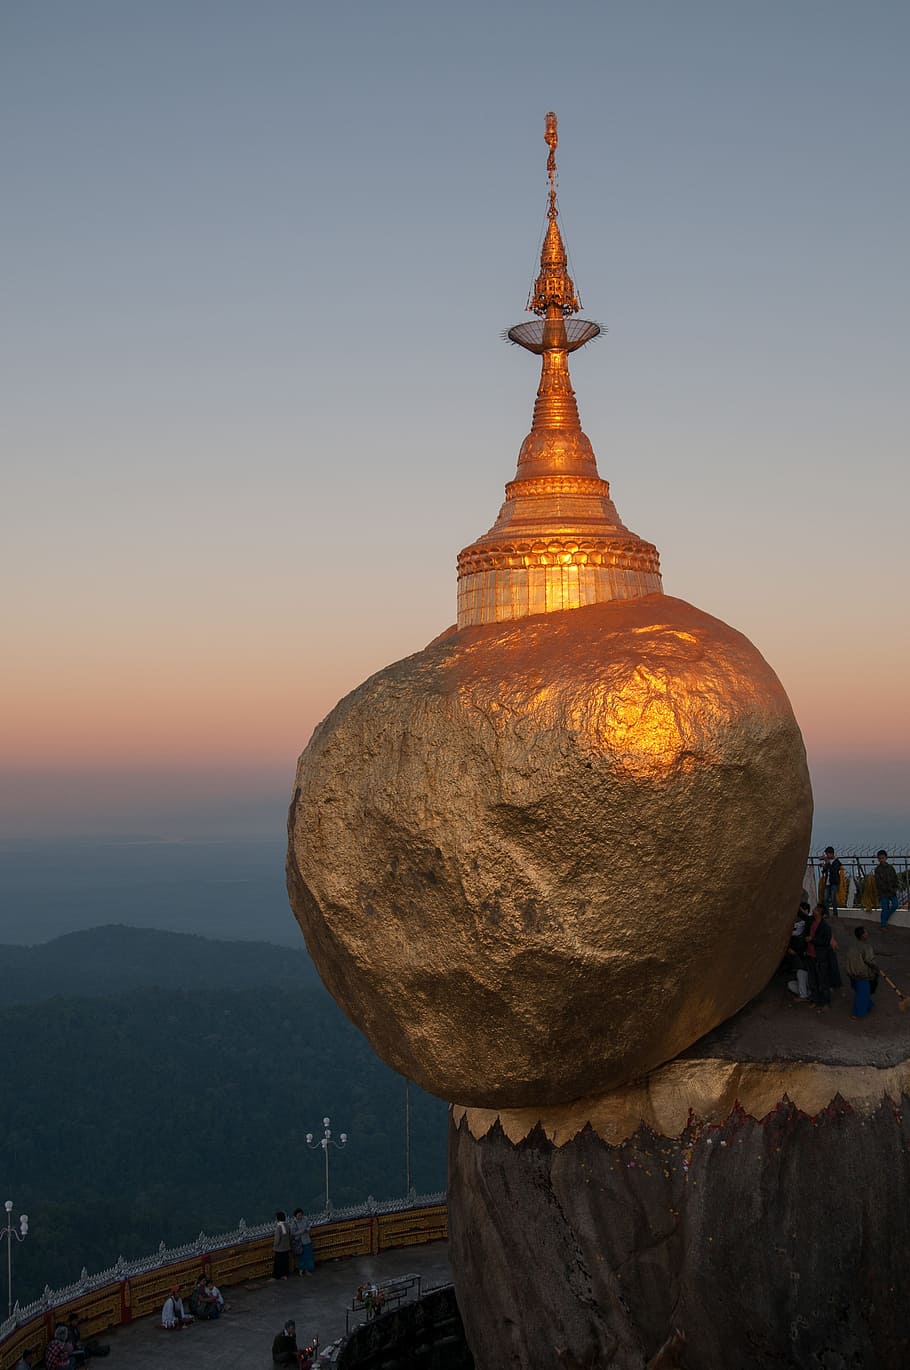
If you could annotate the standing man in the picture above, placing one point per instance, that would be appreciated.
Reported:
(886, 886)
(863, 973)
(831, 870)
(824, 972)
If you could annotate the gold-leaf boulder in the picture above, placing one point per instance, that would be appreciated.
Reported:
(538, 859)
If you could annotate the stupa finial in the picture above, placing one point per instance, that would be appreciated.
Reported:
(553, 293)
(551, 138)
(558, 542)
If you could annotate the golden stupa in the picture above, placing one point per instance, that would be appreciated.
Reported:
(558, 542)
(548, 852)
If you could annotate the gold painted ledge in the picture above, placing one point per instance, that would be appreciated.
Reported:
(706, 1091)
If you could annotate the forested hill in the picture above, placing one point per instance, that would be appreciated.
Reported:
(116, 959)
(156, 1085)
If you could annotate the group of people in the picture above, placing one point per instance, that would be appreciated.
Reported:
(292, 1242)
(66, 1349)
(285, 1350)
(292, 1239)
(205, 1303)
(887, 888)
(812, 956)
(812, 953)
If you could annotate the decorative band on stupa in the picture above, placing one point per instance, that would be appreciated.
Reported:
(558, 542)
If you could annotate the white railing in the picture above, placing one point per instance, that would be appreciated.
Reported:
(172, 1255)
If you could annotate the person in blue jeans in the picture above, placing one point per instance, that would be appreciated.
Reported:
(863, 973)
(886, 886)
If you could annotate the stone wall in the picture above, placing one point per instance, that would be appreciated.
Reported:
(743, 1243)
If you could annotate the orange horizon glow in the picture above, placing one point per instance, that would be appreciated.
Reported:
(142, 713)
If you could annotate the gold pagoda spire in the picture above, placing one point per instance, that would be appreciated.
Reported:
(554, 289)
(558, 542)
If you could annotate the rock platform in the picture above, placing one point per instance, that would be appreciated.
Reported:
(744, 1206)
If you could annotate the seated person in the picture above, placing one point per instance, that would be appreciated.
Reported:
(173, 1314)
(202, 1304)
(59, 1353)
(284, 1346)
(75, 1339)
(215, 1293)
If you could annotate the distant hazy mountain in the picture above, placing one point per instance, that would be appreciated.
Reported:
(116, 959)
(219, 889)
(156, 1084)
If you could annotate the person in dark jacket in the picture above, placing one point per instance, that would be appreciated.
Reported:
(281, 1247)
(74, 1333)
(821, 955)
(284, 1346)
(886, 886)
(831, 869)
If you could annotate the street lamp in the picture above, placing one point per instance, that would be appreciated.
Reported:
(9, 1232)
(325, 1141)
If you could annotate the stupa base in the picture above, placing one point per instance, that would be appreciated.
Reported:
(721, 1213)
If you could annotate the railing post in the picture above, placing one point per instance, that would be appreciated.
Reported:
(126, 1303)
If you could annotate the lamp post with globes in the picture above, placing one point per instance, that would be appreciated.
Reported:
(9, 1232)
(326, 1141)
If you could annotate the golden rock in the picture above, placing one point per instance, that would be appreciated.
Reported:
(556, 847)
(538, 859)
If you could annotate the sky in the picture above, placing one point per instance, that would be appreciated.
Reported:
(255, 264)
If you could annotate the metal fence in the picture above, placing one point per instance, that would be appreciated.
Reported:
(859, 865)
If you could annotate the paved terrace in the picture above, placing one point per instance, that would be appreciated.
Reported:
(774, 1026)
(241, 1339)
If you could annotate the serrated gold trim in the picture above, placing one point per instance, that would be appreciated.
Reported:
(706, 1091)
